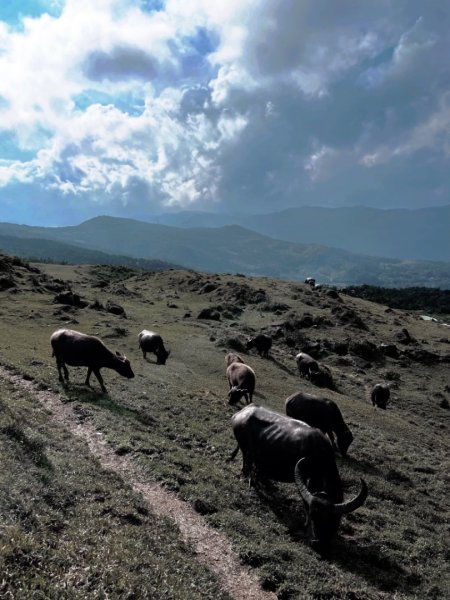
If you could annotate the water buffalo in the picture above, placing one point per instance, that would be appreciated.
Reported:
(262, 343)
(80, 350)
(321, 413)
(284, 449)
(241, 379)
(149, 341)
(307, 366)
(380, 395)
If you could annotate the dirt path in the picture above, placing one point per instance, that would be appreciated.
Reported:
(212, 547)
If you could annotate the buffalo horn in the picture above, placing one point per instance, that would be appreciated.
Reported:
(304, 492)
(351, 505)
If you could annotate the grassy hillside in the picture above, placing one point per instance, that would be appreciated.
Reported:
(237, 250)
(173, 421)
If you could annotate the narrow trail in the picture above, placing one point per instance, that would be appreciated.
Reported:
(211, 547)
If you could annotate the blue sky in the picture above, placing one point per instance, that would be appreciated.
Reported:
(136, 107)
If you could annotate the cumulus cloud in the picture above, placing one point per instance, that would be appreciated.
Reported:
(120, 64)
(432, 134)
(251, 104)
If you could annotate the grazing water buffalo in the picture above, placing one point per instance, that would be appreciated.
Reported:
(262, 343)
(323, 414)
(380, 395)
(241, 379)
(79, 350)
(149, 341)
(284, 449)
(307, 366)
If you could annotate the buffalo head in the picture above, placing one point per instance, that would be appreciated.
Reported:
(344, 439)
(161, 356)
(324, 515)
(123, 366)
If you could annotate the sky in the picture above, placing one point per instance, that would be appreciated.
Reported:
(138, 107)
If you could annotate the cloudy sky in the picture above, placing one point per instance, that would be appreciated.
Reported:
(135, 107)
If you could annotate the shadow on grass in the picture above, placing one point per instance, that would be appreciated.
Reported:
(359, 467)
(282, 367)
(86, 395)
(288, 510)
(370, 562)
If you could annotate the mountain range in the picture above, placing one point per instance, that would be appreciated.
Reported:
(420, 234)
(230, 248)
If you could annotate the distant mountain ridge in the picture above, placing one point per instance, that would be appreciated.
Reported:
(419, 234)
(49, 250)
(235, 249)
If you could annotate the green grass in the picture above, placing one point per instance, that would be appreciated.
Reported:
(69, 529)
(173, 421)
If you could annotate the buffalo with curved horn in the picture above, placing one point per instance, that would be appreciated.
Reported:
(284, 449)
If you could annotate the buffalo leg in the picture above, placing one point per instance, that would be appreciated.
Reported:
(100, 379)
(61, 366)
(233, 454)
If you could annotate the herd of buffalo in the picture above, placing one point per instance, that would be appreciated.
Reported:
(298, 447)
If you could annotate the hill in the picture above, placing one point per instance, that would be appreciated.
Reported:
(76, 518)
(236, 249)
(420, 234)
(52, 251)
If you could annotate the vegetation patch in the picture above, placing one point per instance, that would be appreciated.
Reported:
(71, 529)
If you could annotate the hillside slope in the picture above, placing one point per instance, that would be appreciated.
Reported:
(53, 251)
(173, 421)
(235, 249)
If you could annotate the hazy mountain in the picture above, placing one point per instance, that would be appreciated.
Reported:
(236, 249)
(421, 234)
(49, 250)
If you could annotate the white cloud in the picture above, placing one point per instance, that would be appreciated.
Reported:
(317, 161)
(116, 104)
(103, 148)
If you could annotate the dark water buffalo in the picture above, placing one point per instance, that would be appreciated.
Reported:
(321, 413)
(79, 350)
(149, 341)
(241, 379)
(311, 281)
(307, 366)
(380, 395)
(284, 449)
(262, 343)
